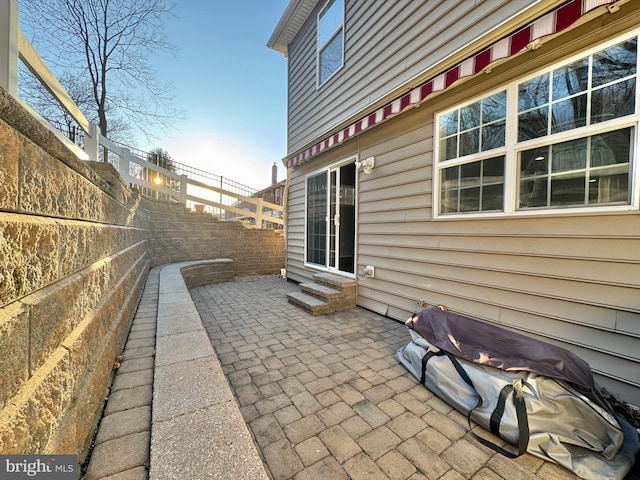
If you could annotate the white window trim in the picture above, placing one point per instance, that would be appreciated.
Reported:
(319, 48)
(512, 148)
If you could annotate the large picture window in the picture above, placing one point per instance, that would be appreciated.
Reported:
(564, 138)
(330, 39)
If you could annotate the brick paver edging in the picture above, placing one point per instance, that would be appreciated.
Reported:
(121, 449)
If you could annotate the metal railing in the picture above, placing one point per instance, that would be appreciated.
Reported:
(197, 189)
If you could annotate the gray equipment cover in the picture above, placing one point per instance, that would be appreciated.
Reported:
(530, 393)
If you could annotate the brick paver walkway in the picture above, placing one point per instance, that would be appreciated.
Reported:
(326, 399)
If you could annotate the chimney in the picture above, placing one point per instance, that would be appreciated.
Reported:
(274, 173)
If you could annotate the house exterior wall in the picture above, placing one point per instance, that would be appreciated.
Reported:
(386, 44)
(571, 280)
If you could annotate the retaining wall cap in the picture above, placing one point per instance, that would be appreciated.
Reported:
(191, 432)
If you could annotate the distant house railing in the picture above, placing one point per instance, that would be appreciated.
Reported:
(195, 188)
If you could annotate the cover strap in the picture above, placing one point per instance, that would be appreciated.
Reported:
(496, 416)
(425, 359)
(521, 413)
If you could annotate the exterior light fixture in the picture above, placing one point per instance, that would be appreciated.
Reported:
(366, 165)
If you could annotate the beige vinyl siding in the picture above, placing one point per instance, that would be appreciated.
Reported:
(573, 281)
(295, 230)
(386, 45)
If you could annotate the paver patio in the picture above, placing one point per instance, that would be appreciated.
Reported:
(325, 398)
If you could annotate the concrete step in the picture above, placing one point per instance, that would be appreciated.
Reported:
(326, 294)
(336, 281)
(322, 292)
(309, 303)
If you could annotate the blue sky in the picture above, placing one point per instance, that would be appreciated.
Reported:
(231, 87)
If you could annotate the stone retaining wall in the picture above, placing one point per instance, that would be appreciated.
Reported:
(76, 245)
(179, 235)
(208, 272)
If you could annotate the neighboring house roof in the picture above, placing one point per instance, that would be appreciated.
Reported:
(269, 188)
(290, 24)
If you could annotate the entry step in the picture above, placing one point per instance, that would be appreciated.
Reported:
(309, 303)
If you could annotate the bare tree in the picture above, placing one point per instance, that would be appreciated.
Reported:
(80, 91)
(163, 159)
(159, 156)
(107, 43)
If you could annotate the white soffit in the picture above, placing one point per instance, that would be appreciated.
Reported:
(290, 24)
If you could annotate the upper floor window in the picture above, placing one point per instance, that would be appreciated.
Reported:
(330, 39)
(565, 138)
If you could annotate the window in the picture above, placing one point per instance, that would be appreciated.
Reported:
(330, 39)
(471, 132)
(562, 139)
(585, 171)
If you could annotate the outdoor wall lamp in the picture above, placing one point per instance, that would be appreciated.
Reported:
(366, 165)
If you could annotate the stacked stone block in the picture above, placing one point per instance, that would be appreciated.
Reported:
(208, 272)
(328, 293)
(73, 261)
(76, 246)
(178, 235)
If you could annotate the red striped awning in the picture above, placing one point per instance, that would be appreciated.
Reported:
(551, 23)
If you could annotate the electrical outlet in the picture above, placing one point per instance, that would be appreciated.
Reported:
(369, 271)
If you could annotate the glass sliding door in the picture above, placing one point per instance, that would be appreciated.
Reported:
(331, 215)
(317, 196)
(344, 224)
